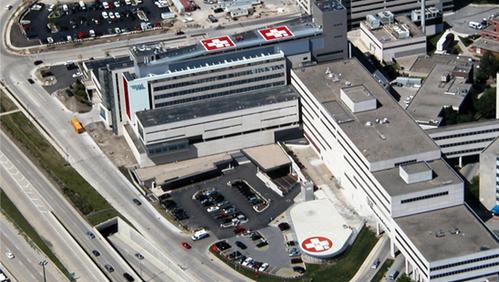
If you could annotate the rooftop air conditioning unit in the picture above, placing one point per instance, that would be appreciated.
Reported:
(386, 17)
(373, 21)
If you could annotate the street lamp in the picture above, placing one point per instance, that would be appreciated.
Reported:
(43, 263)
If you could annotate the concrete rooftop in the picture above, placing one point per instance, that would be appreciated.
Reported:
(395, 186)
(434, 95)
(422, 229)
(399, 137)
(267, 156)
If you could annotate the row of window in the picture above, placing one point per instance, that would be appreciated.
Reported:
(464, 262)
(464, 270)
(467, 142)
(167, 147)
(219, 94)
(217, 70)
(465, 134)
(216, 78)
(424, 197)
(219, 85)
(464, 151)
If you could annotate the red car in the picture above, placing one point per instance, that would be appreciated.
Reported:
(186, 245)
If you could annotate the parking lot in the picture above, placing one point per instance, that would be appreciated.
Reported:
(224, 209)
(52, 24)
(460, 19)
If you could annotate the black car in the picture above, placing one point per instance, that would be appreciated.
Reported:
(31, 81)
(241, 245)
(137, 202)
(90, 234)
(128, 277)
(109, 268)
(212, 19)
(139, 256)
(38, 62)
(283, 226)
(262, 244)
(296, 260)
(96, 253)
(299, 269)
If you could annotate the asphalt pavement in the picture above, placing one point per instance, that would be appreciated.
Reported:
(460, 19)
(25, 264)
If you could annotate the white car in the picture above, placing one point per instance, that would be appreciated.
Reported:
(212, 209)
(117, 15)
(247, 261)
(117, 4)
(263, 267)
(10, 255)
(50, 40)
(105, 5)
(111, 15)
(91, 33)
(8, 7)
(375, 264)
(128, 2)
(117, 30)
(69, 38)
(104, 15)
(76, 75)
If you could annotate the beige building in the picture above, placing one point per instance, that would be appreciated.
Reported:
(388, 37)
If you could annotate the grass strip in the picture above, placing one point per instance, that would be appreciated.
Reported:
(6, 104)
(83, 196)
(339, 269)
(382, 270)
(14, 215)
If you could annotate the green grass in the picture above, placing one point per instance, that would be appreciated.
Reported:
(382, 270)
(340, 269)
(6, 103)
(83, 196)
(14, 215)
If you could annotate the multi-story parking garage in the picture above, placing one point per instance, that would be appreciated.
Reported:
(389, 167)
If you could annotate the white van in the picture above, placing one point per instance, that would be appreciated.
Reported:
(200, 234)
(475, 25)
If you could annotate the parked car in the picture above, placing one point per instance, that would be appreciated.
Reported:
(247, 261)
(96, 253)
(212, 209)
(299, 269)
(128, 277)
(38, 62)
(283, 226)
(241, 245)
(263, 267)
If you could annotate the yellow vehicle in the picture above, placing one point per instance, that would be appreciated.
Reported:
(77, 125)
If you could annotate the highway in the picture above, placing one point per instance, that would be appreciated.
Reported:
(38, 190)
(92, 164)
(25, 264)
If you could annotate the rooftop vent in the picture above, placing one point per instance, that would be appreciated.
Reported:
(415, 172)
(358, 98)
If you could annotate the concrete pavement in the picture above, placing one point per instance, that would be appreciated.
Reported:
(380, 251)
(24, 266)
(45, 198)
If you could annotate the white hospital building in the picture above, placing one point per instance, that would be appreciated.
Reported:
(391, 169)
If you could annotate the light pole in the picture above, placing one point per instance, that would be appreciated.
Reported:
(43, 263)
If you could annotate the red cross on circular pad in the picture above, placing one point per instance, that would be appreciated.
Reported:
(316, 244)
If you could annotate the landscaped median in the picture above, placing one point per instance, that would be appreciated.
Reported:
(14, 215)
(339, 269)
(82, 195)
(382, 270)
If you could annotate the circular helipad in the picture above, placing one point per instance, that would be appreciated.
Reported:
(320, 230)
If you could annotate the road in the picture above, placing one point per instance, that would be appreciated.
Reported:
(92, 164)
(25, 265)
(35, 187)
(382, 253)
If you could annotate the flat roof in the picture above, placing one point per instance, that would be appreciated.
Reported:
(386, 33)
(422, 230)
(164, 172)
(111, 63)
(424, 64)
(321, 230)
(394, 185)
(416, 167)
(463, 126)
(215, 106)
(434, 95)
(487, 44)
(268, 157)
(358, 93)
(399, 137)
(300, 27)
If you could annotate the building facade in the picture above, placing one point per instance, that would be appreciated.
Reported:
(489, 177)
(391, 169)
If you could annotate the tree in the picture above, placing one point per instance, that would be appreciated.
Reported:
(489, 66)
(485, 106)
(404, 278)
